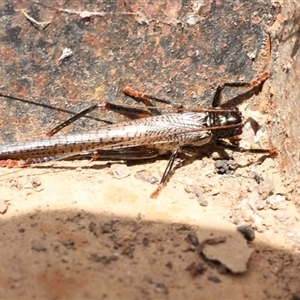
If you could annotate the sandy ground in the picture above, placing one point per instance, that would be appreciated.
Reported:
(73, 230)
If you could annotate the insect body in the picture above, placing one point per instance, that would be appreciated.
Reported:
(162, 132)
(148, 135)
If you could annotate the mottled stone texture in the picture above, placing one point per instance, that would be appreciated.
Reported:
(285, 91)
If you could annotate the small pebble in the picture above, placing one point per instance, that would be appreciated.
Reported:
(146, 176)
(266, 188)
(225, 166)
(198, 192)
(247, 232)
(119, 171)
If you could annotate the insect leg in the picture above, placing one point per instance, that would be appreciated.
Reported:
(166, 174)
(71, 120)
(126, 154)
(225, 145)
(142, 97)
(130, 112)
(137, 153)
(146, 100)
(217, 97)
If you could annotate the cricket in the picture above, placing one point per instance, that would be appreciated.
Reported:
(148, 134)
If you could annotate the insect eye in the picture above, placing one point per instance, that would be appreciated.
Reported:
(235, 110)
(238, 130)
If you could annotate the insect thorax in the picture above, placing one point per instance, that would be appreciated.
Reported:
(227, 123)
